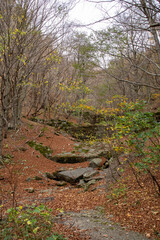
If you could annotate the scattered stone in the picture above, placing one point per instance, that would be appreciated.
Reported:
(88, 184)
(96, 162)
(47, 191)
(46, 199)
(29, 179)
(61, 183)
(30, 190)
(50, 176)
(101, 186)
(38, 178)
(91, 182)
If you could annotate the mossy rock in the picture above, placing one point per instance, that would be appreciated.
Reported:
(44, 150)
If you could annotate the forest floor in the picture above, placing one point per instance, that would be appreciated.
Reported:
(136, 209)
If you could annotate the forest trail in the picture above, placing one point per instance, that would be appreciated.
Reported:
(86, 214)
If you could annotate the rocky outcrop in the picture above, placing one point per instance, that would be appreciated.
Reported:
(80, 132)
(80, 157)
(72, 176)
(80, 154)
(81, 177)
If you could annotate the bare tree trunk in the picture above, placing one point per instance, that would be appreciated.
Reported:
(5, 101)
(147, 11)
(1, 132)
(20, 95)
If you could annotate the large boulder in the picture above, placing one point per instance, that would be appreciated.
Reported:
(72, 176)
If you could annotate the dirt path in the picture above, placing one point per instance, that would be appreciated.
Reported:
(99, 227)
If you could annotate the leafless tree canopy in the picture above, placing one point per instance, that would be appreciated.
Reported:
(30, 31)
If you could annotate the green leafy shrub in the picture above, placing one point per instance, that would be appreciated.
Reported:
(138, 132)
(31, 223)
(142, 131)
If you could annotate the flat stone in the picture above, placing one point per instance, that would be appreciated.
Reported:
(72, 176)
(89, 174)
(97, 178)
(93, 181)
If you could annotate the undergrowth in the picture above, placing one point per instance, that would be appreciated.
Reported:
(28, 223)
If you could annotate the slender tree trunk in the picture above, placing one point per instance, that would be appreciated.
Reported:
(1, 132)
(151, 21)
(17, 107)
(5, 101)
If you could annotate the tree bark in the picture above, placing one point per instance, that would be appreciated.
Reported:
(1, 132)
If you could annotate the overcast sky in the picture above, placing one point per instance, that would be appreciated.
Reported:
(87, 12)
